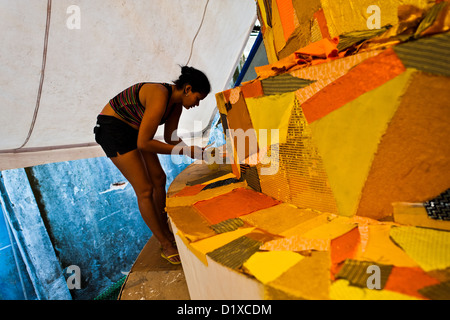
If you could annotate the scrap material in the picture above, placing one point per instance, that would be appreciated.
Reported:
(357, 203)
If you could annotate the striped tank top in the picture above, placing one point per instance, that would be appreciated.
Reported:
(128, 106)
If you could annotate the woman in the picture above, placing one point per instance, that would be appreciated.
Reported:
(126, 128)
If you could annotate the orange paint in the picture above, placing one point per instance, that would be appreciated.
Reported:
(226, 95)
(189, 191)
(343, 247)
(320, 17)
(234, 204)
(324, 48)
(252, 89)
(287, 14)
(409, 281)
(365, 77)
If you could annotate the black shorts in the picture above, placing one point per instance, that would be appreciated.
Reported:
(115, 136)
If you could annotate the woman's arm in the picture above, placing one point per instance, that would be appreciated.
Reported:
(171, 127)
(155, 101)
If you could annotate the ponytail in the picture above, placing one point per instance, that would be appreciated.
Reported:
(196, 78)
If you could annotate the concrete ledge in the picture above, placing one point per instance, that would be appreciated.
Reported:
(153, 278)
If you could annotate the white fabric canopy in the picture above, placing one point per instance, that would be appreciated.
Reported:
(61, 61)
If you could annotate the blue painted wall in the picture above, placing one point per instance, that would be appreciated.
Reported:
(15, 283)
(91, 223)
(90, 214)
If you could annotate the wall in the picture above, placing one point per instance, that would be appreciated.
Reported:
(15, 283)
(89, 223)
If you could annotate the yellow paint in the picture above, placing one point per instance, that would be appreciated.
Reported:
(189, 220)
(351, 15)
(224, 177)
(262, 10)
(296, 243)
(203, 195)
(304, 227)
(342, 290)
(428, 247)
(329, 230)
(308, 279)
(267, 266)
(381, 249)
(271, 112)
(220, 99)
(279, 218)
(196, 252)
(269, 44)
(415, 214)
(348, 138)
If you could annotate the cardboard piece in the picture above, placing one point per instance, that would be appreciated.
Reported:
(415, 214)
(307, 279)
(278, 219)
(348, 148)
(417, 132)
(267, 266)
(416, 242)
(234, 204)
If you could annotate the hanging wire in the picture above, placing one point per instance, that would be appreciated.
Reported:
(198, 30)
(41, 81)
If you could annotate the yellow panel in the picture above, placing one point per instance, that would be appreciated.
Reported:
(267, 266)
(308, 279)
(342, 290)
(415, 214)
(428, 247)
(262, 9)
(271, 112)
(189, 220)
(351, 15)
(348, 138)
(279, 218)
(221, 103)
(329, 230)
(203, 195)
(296, 243)
(302, 165)
(269, 44)
(381, 249)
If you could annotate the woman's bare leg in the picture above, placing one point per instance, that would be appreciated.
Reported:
(158, 179)
(132, 166)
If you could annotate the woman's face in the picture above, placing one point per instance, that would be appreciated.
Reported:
(192, 99)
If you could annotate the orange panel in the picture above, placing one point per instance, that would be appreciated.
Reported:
(365, 77)
(287, 14)
(234, 204)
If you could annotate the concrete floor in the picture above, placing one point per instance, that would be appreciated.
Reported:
(153, 278)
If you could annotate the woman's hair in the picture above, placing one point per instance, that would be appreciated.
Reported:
(195, 78)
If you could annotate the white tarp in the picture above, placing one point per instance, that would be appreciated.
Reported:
(61, 61)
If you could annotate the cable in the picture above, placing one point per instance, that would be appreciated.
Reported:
(41, 81)
(199, 27)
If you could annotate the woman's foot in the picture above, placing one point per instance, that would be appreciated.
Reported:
(170, 253)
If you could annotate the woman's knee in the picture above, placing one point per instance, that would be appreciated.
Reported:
(159, 179)
(145, 192)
